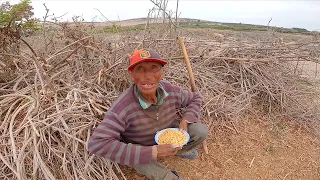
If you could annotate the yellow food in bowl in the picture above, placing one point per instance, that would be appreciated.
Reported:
(173, 137)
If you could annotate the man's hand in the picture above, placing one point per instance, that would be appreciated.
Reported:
(166, 150)
(183, 125)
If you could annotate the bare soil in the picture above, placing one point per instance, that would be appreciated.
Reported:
(252, 149)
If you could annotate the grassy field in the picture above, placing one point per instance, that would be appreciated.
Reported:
(241, 27)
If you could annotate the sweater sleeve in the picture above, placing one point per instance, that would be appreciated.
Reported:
(105, 142)
(191, 102)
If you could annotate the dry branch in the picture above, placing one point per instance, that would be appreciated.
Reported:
(48, 111)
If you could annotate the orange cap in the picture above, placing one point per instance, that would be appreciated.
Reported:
(144, 55)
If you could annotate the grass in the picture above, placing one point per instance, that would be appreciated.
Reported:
(240, 27)
(117, 29)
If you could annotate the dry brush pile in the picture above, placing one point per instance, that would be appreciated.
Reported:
(60, 90)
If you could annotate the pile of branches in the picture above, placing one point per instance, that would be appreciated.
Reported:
(62, 89)
(9, 45)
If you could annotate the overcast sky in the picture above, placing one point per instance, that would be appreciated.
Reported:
(293, 13)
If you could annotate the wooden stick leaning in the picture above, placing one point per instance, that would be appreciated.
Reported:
(192, 81)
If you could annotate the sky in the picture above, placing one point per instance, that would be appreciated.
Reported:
(284, 13)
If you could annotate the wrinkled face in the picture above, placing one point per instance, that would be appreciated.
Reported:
(146, 76)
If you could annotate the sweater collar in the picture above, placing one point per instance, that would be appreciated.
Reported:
(161, 94)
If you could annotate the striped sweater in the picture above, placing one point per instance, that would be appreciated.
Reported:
(137, 127)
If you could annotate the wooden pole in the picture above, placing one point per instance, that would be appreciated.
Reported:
(192, 81)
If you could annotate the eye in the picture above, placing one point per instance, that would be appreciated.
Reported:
(140, 69)
(155, 67)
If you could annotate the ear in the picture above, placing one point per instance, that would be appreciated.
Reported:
(131, 76)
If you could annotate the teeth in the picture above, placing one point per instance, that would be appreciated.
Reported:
(147, 85)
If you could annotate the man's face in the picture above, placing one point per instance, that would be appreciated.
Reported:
(146, 76)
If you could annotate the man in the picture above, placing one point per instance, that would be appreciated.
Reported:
(126, 134)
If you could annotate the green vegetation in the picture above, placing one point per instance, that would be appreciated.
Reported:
(115, 28)
(118, 29)
(240, 27)
(18, 16)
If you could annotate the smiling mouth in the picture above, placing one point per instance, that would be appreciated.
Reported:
(147, 86)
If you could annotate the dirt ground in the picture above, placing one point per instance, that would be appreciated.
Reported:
(252, 149)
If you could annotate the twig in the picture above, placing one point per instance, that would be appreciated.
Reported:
(28, 45)
(102, 14)
(71, 44)
(177, 13)
(8, 165)
(43, 27)
(251, 162)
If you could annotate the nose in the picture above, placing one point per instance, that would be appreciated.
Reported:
(148, 75)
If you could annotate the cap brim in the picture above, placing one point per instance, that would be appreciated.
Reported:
(148, 60)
